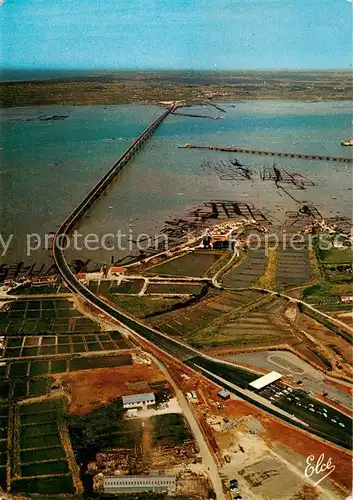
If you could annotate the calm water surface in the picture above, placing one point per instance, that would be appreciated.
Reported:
(48, 166)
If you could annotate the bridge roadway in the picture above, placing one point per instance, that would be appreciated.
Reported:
(158, 339)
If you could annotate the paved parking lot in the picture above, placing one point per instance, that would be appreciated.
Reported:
(313, 381)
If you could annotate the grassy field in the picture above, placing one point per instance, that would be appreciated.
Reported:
(337, 255)
(268, 279)
(328, 294)
(143, 306)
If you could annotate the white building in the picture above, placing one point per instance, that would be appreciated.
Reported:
(139, 400)
(265, 380)
(135, 484)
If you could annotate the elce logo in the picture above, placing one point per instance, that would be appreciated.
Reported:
(315, 469)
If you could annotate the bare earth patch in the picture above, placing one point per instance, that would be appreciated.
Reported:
(90, 389)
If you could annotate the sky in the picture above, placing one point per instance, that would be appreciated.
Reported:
(176, 34)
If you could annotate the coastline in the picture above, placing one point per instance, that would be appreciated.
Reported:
(191, 87)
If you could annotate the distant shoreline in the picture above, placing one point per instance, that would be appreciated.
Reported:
(192, 87)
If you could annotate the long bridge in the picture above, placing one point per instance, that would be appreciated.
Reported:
(238, 149)
(155, 338)
(114, 170)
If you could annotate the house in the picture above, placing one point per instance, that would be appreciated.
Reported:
(116, 270)
(346, 298)
(139, 400)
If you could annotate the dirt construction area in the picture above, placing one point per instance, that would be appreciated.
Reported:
(268, 457)
(90, 389)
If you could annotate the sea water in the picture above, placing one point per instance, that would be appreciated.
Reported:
(47, 166)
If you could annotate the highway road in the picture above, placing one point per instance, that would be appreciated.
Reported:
(167, 344)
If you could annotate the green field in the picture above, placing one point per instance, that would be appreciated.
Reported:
(102, 362)
(39, 387)
(337, 255)
(45, 468)
(45, 486)
(58, 365)
(37, 418)
(39, 429)
(42, 454)
(18, 369)
(39, 441)
(39, 368)
(328, 294)
(42, 406)
(144, 306)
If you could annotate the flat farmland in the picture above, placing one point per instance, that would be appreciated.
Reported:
(31, 289)
(36, 345)
(48, 485)
(292, 266)
(171, 288)
(146, 305)
(191, 264)
(195, 318)
(39, 441)
(248, 271)
(19, 372)
(41, 452)
(52, 467)
(256, 328)
(43, 316)
(337, 256)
